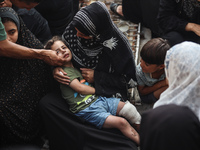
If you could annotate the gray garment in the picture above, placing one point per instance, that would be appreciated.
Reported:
(145, 79)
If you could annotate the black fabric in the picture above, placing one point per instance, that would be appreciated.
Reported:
(144, 12)
(149, 14)
(132, 10)
(21, 147)
(118, 85)
(170, 127)
(109, 84)
(58, 13)
(173, 18)
(67, 131)
(35, 23)
(23, 83)
(174, 37)
(108, 52)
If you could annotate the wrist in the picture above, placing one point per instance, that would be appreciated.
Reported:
(38, 53)
(189, 26)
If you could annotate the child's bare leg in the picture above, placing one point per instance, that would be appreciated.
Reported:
(123, 125)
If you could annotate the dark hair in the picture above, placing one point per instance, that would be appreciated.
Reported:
(154, 51)
(52, 41)
(30, 1)
(6, 19)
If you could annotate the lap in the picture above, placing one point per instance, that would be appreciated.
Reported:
(64, 129)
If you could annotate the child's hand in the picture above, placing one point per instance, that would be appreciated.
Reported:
(61, 76)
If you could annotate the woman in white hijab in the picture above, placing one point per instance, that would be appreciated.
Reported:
(182, 71)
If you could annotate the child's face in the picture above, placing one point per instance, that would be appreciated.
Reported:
(11, 30)
(149, 68)
(62, 50)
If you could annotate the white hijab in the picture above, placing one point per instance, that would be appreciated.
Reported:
(182, 67)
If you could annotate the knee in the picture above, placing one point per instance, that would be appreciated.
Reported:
(173, 38)
(123, 123)
(130, 112)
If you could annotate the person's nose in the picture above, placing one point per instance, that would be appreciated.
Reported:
(141, 63)
(62, 50)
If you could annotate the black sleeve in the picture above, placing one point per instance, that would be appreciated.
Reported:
(168, 19)
(107, 84)
(36, 24)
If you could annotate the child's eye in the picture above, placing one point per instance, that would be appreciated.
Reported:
(57, 51)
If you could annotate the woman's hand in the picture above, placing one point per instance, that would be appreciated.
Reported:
(60, 76)
(193, 27)
(88, 74)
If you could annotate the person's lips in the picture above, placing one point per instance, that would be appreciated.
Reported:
(66, 55)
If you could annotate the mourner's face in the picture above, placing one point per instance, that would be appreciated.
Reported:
(21, 4)
(11, 30)
(6, 3)
(62, 50)
(149, 68)
(81, 35)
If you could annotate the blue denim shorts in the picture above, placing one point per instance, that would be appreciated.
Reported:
(99, 110)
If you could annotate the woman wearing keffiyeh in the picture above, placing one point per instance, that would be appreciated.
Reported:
(106, 51)
(179, 20)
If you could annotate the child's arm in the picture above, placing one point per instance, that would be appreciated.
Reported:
(81, 88)
(144, 90)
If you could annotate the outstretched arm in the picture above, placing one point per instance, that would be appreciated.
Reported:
(9, 49)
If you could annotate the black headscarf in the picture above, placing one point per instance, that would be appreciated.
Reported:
(23, 83)
(95, 21)
(170, 127)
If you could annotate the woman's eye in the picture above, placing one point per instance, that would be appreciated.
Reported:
(11, 32)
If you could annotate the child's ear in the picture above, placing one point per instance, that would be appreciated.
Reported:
(162, 66)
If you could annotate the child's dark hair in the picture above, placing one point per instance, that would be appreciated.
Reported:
(52, 41)
(30, 1)
(154, 51)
